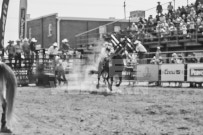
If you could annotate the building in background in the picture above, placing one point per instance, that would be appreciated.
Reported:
(51, 28)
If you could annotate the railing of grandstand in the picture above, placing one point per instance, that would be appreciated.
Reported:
(151, 35)
(181, 57)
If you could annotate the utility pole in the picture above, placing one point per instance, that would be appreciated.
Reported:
(174, 4)
(124, 10)
(187, 2)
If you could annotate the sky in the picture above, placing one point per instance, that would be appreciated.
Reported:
(80, 8)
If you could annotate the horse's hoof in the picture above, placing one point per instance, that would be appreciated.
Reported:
(117, 85)
(5, 130)
(97, 86)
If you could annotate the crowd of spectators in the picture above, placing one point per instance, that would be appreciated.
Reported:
(184, 21)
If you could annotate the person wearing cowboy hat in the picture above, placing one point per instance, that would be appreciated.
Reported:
(53, 50)
(140, 49)
(33, 50)
(18, 52)
(32, 44)
(10, 51)
(65, 47)
(26, 50)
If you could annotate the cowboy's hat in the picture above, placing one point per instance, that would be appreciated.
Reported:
(136, 42)
(33, 40)
(55, 44)
(10, 41)
(65, 40)
(25, 40)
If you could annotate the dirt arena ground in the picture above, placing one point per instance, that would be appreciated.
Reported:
(133, 111)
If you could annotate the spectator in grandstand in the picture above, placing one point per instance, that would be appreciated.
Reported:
(10, 51)
(183, 29)
(53, 51)
(191, 27)
(159, 9)
(200, 28)
(172, 30)
(174, 58)
(158, 52)
(18, 53)
(199, 7)
(183, 11)
(180, 59)
(134, 28)
(156, 60)
(170, 9)
(141, 50)
(191, 58)
(201, 60)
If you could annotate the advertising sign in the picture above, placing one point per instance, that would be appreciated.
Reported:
(172, 72)
(3, 21)
(195, 72)
(147, 72)
(135, 15)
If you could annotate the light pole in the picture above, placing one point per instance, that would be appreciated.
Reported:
(174, 4)
(124, 10)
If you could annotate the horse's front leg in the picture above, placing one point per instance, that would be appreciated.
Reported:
(98, 81)
(110, 83)
(4, 128)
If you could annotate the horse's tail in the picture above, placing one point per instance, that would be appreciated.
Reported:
(11, 85)
(91, 72)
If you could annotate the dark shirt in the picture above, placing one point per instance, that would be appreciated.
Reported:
(159, 8)
(10, 49)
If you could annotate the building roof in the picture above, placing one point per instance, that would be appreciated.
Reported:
(31, 19)
(80, 18)
(92, 19)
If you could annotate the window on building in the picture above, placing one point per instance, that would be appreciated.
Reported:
(102, 29)
(117, 28)
(50, 30)
(30, 33)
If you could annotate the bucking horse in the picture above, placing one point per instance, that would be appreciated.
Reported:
(109, 67)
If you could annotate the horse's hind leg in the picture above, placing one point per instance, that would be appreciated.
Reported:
(110, 83)
(4, 128)
(120, 81)
(98, 81)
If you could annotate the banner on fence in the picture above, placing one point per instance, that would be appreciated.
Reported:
(3, 22)
(172, 72)
(22, 19)
(147, 72)
(195, 72)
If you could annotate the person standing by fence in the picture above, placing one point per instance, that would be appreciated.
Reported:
(26, 51)
(65, 47)
(18, 52)
(53, 51)
(10, 52)
(141, 50)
